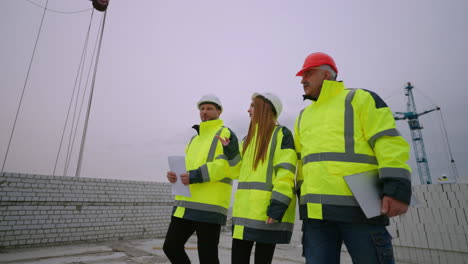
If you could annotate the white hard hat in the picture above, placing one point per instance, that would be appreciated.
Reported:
(273, 99)
(210, 98)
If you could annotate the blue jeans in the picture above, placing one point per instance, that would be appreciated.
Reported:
(322, 240)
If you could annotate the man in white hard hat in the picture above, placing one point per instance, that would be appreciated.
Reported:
(208, 166)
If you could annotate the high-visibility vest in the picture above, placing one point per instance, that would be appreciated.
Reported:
(210, 199)
(266, 191)
(347, 131)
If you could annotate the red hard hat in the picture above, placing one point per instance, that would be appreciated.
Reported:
(317, 59)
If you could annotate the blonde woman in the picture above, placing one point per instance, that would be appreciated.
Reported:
(264, 204)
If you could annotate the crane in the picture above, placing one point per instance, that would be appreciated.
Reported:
(416, 134)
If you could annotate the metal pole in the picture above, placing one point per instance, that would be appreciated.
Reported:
(85, 129)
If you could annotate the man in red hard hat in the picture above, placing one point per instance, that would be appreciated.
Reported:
(345, 132)
(313, 62)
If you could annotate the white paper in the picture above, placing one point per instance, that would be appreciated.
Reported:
(177, 165)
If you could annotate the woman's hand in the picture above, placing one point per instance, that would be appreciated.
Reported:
(224, 141)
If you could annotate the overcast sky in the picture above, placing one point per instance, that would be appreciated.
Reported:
(159, 57)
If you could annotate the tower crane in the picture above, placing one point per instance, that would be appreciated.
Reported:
(416, 134)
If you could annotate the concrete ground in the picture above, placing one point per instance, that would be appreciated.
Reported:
(140, 251)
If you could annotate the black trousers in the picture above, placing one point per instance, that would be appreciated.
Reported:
(180, 231)
(241, 250)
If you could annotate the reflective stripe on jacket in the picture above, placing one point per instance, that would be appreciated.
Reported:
(347, 131)
(210, 175)
(266, 192)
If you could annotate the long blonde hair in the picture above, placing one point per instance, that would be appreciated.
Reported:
(265, 117)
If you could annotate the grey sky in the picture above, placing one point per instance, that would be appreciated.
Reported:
(159, 57)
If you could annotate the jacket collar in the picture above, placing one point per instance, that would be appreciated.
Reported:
(206, 126)
(329, 89)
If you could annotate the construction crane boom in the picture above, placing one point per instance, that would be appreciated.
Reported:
(416, 134)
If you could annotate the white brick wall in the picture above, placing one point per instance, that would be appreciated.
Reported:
(38, 209)
(436, 230)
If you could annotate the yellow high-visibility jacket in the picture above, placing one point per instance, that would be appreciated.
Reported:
(347, 131)
(209, 165)
(266, 192)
